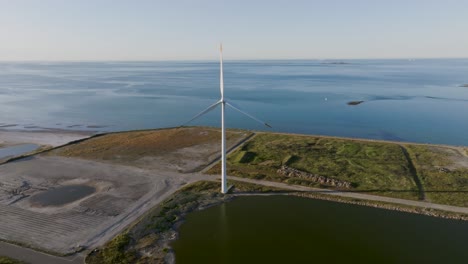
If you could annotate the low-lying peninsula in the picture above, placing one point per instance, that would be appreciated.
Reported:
(176, 171)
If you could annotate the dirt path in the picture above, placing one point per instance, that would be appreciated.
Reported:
(174, 181)
(229, 151)
(355, 195)
(461, 151)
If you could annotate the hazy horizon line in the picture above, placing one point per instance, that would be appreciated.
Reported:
(215, 60)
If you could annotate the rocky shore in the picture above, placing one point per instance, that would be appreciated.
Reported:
(291, 172)
(387, 206)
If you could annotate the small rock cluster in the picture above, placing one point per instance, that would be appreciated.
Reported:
(442, 169)
(291, 172)
(375, 204)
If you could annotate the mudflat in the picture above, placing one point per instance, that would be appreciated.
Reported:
(51, 138)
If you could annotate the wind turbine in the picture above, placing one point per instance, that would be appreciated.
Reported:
(223, 104)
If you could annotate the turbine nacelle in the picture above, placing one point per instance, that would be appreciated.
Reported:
(213, 106)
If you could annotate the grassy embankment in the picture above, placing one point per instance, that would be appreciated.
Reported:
(177, 146)
(147, 240)
(372, 167)
(130, 146)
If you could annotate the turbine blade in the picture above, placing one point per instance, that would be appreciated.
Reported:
(247, 114)
(221, 78)
(211, 107)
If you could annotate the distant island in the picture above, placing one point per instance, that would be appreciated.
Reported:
(335, 62)
(464, 85)
(355, 102)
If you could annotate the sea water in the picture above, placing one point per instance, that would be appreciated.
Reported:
(404, 100)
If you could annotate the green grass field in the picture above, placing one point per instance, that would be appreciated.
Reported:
(373, 167)
(443, 173)
(125, 147)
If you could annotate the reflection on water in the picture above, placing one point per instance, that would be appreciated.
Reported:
(17, 150)
(61, 195)
(284, 229)
(223, 229)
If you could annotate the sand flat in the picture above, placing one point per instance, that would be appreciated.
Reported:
(48, 138)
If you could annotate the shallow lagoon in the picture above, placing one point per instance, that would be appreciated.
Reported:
(17, 150)
(285, 229)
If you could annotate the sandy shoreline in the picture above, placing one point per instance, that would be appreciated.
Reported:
(52, 138)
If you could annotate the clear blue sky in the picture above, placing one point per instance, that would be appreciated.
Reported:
(252, 29)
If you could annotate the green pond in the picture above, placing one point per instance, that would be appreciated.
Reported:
(287, 229)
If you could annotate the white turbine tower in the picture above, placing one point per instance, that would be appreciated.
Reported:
(223, 104)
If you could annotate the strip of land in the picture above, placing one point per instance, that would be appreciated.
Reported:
(132, 172)
(354, 195)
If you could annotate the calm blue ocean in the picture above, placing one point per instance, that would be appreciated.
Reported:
(408, 100)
